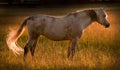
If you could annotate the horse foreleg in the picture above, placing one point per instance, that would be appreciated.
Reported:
(69, 49)
(72, 48)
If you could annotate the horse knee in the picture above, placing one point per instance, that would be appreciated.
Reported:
(73, 51)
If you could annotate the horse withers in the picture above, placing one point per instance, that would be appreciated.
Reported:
(68, 27)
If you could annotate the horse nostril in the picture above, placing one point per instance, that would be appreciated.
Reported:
(107, 25)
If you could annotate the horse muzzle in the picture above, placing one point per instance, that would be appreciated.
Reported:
(106, 26)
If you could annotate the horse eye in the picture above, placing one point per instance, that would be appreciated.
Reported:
(104, 15)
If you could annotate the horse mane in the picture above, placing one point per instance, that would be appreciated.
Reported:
(76, 12)
(72, 13)
(90, 12)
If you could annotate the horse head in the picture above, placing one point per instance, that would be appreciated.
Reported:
(102, 17)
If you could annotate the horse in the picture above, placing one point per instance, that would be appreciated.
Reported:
(68, 27)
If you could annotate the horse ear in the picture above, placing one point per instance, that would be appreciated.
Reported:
(103, 8)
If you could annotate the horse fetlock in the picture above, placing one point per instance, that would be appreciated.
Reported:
(32, 51)
(24, 58)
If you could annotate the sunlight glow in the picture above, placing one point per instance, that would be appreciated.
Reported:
(11, 42)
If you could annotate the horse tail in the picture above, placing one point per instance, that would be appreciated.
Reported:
(13, 37)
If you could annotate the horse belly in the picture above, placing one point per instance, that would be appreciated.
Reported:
(54, 36)
(55, 33)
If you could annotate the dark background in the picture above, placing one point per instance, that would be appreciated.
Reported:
(43, 2)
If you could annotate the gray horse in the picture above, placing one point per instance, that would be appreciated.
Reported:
(68, 27)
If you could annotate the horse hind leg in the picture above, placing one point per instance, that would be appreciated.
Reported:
(26, 48)
(30, 46)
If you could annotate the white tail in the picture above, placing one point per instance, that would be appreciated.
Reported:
(11, 42)
(13, 36)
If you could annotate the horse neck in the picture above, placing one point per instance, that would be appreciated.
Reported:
(92, 16)
(85, 25)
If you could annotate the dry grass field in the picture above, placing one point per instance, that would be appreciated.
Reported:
(98, 48)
